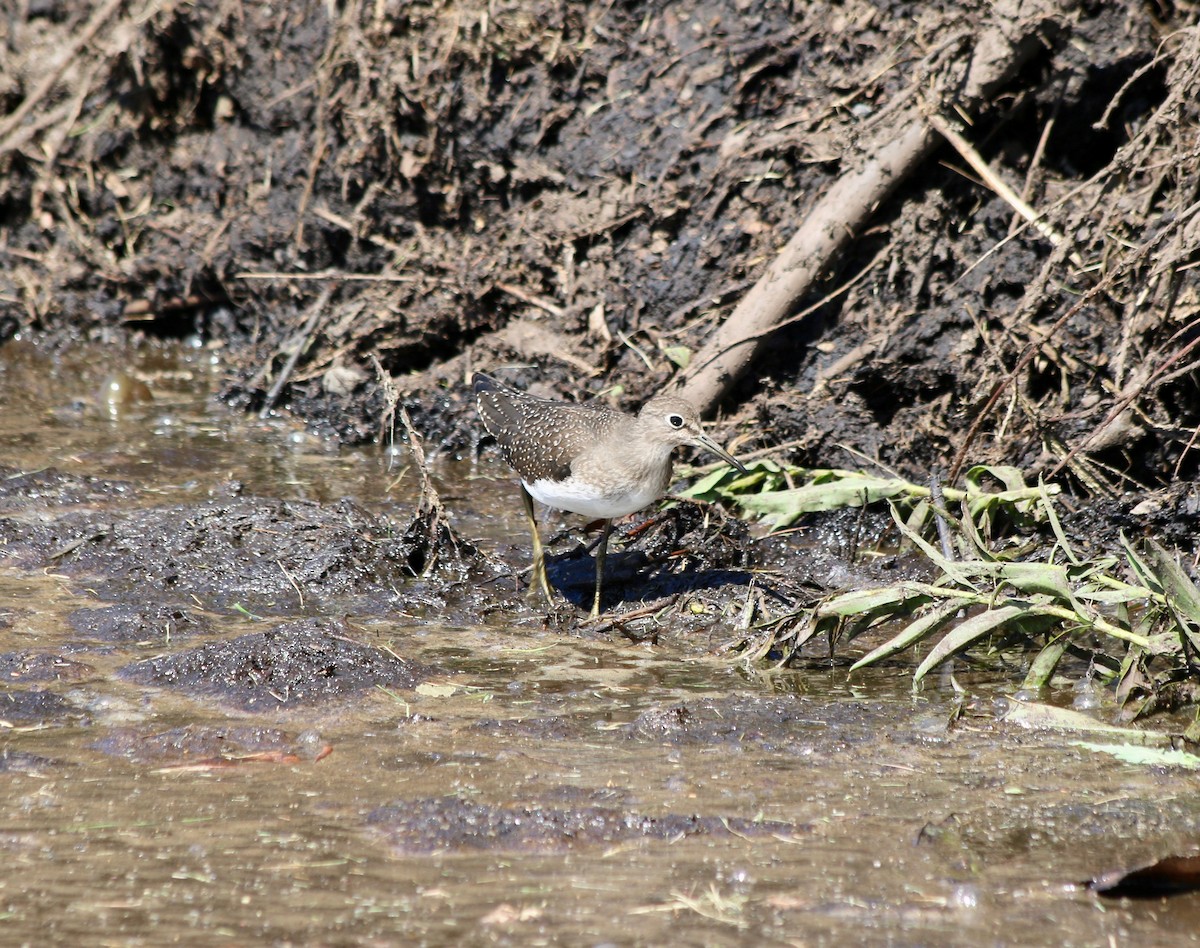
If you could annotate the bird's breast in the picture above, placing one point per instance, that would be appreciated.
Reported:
(596, 501)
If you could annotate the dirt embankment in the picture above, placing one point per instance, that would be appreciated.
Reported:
(588, 191)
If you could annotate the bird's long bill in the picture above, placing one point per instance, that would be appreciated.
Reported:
(706, 442)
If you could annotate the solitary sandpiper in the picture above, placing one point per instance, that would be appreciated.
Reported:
(588, 459)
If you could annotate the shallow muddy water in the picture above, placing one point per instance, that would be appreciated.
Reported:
(535, 786)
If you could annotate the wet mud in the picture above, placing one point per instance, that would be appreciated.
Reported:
(262, 553)
(295, 663)
(144, 624)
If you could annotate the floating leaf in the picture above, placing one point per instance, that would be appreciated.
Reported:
(430, 690)
(1037, 716)
(1144, 756)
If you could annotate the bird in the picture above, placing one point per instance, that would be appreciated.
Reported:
(588, 459)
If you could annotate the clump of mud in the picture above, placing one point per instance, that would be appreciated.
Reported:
(41, 666)
(50, 487)
(781, 725)
(294, 664)
(144, 623)
(37, 707)
(266, 555)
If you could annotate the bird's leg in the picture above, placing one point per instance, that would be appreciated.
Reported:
(601, 553)
(539, 555)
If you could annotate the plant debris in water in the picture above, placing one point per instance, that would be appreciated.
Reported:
(1134, 618)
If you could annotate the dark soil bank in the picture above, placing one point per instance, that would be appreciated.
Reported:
(586, 191)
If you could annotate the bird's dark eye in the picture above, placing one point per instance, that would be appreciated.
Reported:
(675, 421)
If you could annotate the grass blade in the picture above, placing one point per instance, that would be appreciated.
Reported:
(914, 632)
(1042, 668)
(965, 634)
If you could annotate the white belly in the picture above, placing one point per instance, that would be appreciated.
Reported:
(566, 495)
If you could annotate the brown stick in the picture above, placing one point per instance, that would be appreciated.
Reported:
(847, 206)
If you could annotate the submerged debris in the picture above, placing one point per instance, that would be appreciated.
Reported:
(447, 823)
(194, 743)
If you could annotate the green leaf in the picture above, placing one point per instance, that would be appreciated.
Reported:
(1138, 565)
(1042, 667)
(1182, 596)
(1114, 595)
(1181, 592)
(1010, 477)
(704, 487)
(1037, 578)
(913, 632)
(680, 355)
(971, 531)
(1055, 526)
(953, 570)
(860, 601)
(967, 633)
(786, 506)
(763, 474)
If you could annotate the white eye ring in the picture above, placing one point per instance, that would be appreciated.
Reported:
(675, 421)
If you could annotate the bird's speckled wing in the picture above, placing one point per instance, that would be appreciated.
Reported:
(539, 437)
